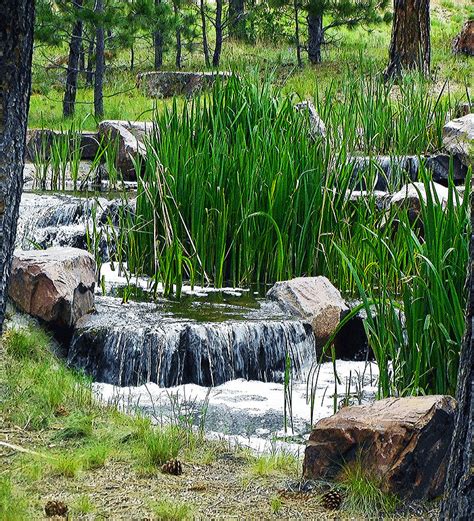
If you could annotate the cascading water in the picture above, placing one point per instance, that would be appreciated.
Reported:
(132, 344)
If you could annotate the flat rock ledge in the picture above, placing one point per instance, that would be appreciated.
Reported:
(166, 84)
(403, 442)
(55, 285)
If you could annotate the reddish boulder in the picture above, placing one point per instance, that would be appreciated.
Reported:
(55, 285)
(404, 442)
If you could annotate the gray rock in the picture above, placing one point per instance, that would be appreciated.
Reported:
(439, 166)
(313, 299)
(383, 172)
(403, 442)
(129, 147)
(39, 142)
(412, 195)
(317, 128)
(54, 285)
(166, 84)
(458, 139)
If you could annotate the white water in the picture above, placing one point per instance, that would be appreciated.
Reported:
(250, 413)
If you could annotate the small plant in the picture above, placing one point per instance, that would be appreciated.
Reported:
(26, 343)
(160, 444)
(67, 465)
(276, 504)
(83, 505)
(362, 492)
(77, 425)
(96, 455)
(279, 462)
(172, 510)
(12, 506)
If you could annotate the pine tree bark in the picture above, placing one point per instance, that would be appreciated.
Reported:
(459, 492)
(237, 19)
(158, 44)
(90, 60)
(179, 48)
(315, 35)
(410, 46)
(16, 48)
(99, 61)
(216, 58)
(69, 101)
(205, 41)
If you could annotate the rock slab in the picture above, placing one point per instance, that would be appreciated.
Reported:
(403, 442)
(458, 139)
(314, 299)
(55, 285)
(166, 84)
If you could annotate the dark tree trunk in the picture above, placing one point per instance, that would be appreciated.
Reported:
(179, 49)
(90, 62)
(297, 34)
(459, 492)
(82, 58)
(16, 48)
(237, 19)
(205, 43)
(132, 57)
(216, 58)
(99, 62)
(315, 36)
(69, 101)
(410, 46)
(158, 44)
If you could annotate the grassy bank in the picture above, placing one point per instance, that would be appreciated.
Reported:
(59, 444)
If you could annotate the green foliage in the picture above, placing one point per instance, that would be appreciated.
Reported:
(172, 510)
(77, 425)
(66, 464)
(160, 444)
(26, 343)
(362, 494)
(13, 507)
(278, 462)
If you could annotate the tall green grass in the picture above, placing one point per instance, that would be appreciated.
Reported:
(235, 190)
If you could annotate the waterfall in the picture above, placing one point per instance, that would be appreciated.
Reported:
(134, 344)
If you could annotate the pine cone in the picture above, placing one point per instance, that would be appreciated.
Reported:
(173, 466)
(55, 508)
(332, 500)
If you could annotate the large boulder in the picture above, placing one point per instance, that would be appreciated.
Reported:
(464, 41)
(166, 84)
(129, 147)
(403, 442)
(458, 138)
(441, 165)
(313, 299)
(39, 143)
(412, 196)
(55, 285)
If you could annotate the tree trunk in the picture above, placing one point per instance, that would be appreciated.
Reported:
(99, 62)
(69, 101)
(158, 44)
(216, 58)
(16, 48)
(205, 43)
(90, 60)
(297, 34)
(410, 46)
(459, 492)
(132, 58)
(315, 35)
(236, 19)
(179, 50)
